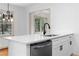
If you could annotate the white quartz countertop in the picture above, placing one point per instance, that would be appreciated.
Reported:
(33, 38)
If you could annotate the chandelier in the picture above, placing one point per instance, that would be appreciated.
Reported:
(8, 15)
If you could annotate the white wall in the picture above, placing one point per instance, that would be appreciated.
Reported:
(64, 18)
(19, 21)
(19, 18)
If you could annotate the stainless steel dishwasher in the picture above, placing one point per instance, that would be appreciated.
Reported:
(41, 48)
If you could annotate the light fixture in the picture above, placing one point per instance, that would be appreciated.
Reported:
(8, 15)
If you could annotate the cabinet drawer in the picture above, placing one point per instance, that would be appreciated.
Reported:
(61, 39)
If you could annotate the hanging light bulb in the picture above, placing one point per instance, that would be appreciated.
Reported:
(12, 20)
(3, 17)
(11, 17)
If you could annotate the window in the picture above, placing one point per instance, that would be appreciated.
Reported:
(39, 23)
(37, 20)
(5, 26)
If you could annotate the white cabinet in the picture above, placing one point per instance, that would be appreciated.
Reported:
(62, 46)
(60, 50)
(18, 49)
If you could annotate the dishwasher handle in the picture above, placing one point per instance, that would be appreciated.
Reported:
(42, 46)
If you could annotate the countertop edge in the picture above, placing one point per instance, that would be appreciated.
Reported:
(25, 42)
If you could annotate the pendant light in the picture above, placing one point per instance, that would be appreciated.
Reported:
(8, 16)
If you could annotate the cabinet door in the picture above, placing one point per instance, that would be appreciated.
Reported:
(17, 49)
(62, 47)
(3, 43)
(70, 47)
(56, 51)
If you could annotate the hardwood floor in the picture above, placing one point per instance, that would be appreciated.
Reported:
(4, 52)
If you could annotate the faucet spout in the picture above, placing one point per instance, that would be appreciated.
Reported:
(45, 29)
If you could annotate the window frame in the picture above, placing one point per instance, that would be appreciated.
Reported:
(31, 21)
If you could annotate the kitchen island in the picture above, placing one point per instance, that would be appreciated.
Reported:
(20, 45)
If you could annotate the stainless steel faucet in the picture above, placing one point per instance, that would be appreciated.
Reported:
(44, 32)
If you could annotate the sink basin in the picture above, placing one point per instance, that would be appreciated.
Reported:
(50, 35)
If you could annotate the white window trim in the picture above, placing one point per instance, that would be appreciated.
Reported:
(31, 22)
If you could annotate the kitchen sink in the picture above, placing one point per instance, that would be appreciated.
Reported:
(50, 35)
